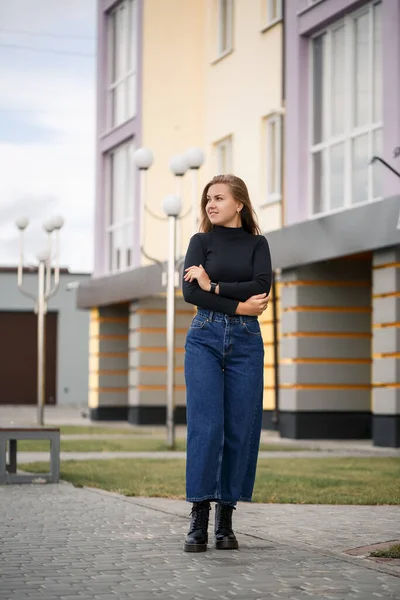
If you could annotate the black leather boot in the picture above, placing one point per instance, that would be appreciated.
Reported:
(225, 539)
(197, 538)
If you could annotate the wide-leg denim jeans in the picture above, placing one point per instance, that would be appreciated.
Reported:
(224, 373)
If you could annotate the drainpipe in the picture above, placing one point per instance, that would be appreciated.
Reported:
(277, 272)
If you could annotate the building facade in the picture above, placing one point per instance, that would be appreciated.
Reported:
(296, 97)
(173, 74)
(67, 332)
(339, 250)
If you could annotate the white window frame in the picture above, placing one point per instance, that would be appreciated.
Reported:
(130, 25)
(221, 51)
(273, 195)
(269, 8)
(225, 144)
(351, 131)
(127, 221)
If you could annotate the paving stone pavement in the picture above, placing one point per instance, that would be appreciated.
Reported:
(61, 542)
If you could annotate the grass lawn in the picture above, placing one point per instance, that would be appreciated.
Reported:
(296, 481)
(126, 444)
(392, 552)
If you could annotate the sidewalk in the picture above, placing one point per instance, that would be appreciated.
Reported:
(27, 457)
(60, 542)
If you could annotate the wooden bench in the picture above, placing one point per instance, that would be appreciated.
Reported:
(11, 435)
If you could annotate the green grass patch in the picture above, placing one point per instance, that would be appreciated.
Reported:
(329, 481)
(125, 444)
(295, 481)
(391, 552)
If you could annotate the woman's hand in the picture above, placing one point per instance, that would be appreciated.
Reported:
(198, 273)
(254, 306)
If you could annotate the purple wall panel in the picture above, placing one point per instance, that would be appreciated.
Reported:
(391, 92)
(291, 117)
(319, 15)
(106, 140)
(296, 128)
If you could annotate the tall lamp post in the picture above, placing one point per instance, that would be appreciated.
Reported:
(178, 165)
(45, 291)
(143, 159)
(194, 158)
(172, 207)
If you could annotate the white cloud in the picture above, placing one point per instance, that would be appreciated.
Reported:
(42, 178)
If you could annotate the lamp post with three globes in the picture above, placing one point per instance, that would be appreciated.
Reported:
(45, 291)
(172, 205)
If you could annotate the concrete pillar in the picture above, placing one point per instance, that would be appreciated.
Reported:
(108, 363)
(148, 359)
(325, 350)
(386, 347)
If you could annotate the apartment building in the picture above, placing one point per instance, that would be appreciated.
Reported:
(173, 74)
(339, 250)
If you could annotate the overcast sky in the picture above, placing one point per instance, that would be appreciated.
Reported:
(47, 125)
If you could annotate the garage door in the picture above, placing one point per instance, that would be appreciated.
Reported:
(18, 357)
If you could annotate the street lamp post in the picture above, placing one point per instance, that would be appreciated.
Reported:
(194, 158)
(178, 165)
(45, 291)
(143, 159)
(172, 207)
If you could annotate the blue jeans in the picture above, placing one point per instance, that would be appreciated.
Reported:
(224, 373)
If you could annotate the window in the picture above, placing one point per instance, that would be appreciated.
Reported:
(273, 11)
(120, 208)
(224, 156)
(346, 118)
(225, 26)
(122, 63)
(273, 137)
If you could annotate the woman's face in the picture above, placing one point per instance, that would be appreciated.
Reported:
(221, 207)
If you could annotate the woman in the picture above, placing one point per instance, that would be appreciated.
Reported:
(227, 275)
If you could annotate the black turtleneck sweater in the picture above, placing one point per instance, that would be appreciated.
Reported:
(238, 261)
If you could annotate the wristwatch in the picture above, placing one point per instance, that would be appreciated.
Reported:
(213, 287)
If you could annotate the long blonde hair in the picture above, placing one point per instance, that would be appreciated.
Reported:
(239, 191)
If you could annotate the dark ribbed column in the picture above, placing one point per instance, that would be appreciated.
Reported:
(386, 348)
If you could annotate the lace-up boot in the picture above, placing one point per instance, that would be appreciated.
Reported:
(225, 539)
(197, 537)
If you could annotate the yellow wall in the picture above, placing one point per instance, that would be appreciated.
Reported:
(192, 99)
(241, 90)
(173, 102)
(267, 330)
